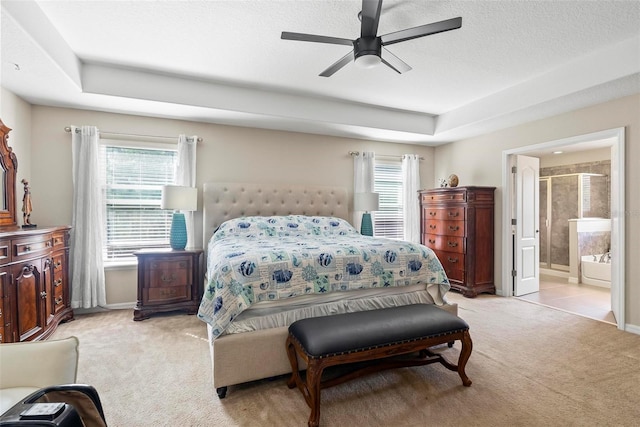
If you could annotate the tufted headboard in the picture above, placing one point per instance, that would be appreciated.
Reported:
(227, 200)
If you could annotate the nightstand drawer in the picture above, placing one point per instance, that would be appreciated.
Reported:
(170, 272)
(167, 294)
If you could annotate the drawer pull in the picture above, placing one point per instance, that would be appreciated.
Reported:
(453, 214)
(431, 226)
(452, 244)
(58, 300)
(432, 213)
(43, 294)
(168, 278)
(49, 244)
(452, 260)
(57, 264)
(432, 241)
(57, 283)
(454, 227)
(27, 248)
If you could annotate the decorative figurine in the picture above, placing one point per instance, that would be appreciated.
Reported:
(26, 206)
(452, 180)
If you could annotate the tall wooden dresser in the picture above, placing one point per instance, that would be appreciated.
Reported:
(457, 223)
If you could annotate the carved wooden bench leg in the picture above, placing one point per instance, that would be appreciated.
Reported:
(314, 374)
(465, 353)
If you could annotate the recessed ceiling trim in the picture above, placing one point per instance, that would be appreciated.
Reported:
(138, 84)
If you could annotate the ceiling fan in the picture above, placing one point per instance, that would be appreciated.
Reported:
(369, 49)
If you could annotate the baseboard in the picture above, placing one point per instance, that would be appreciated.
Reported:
(632, 328)
(121, 306)
(555, 273)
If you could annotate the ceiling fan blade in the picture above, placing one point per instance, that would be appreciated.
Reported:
(370, 17)
(421, 31)
(337, 65)
(314, 38)
(393, 62)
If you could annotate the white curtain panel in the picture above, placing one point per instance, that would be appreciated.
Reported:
(363, 179)
(411, 204)
(186, 176)
(87, 270)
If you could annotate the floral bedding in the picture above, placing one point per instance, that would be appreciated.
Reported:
(253, 259)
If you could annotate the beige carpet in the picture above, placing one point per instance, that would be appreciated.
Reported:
(531, 366)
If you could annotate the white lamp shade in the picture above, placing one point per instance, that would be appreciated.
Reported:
(365, 202)
(179, 198)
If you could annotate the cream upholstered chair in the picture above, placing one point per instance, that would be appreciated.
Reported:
(29, 366)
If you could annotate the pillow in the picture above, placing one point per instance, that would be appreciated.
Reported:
(283, 226)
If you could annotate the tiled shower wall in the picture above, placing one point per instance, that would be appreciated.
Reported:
(565, 205)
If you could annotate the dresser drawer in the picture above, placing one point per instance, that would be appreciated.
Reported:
(453, 264)
(32, 247)
(449, 196)
(446, 228)
(444, 243)
(444, 213)
(59, 240)
(58, 302)
(172, 272)
(5, 251)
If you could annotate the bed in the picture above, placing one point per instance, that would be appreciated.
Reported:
(278, 253)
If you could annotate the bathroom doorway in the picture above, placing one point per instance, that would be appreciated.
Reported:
(556, 287)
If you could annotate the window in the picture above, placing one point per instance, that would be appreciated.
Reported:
(388, 219)
(133, 177)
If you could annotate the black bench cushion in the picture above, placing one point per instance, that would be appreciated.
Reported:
(345, 333)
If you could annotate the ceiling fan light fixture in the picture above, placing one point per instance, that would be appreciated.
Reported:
(368, 61)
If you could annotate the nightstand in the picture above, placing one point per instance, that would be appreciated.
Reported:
(168, 280)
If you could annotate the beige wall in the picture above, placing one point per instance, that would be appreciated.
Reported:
(16, 114)
(484, 168)
(573, 158)
(227, 154)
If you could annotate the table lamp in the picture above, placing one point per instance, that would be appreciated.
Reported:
(366, 202)
(179, 198)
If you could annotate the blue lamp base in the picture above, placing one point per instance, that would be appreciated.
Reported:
(178, 238)
(366, 227)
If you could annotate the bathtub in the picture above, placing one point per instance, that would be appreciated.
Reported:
(596, 273)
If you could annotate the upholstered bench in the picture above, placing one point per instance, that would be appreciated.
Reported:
(367, 336)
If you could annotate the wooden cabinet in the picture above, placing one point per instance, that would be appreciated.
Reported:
(168, 280)
(457, 223)
(34, 282)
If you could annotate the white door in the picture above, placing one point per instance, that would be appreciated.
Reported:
(527, 226)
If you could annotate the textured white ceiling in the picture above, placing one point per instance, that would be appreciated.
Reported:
(224, 61)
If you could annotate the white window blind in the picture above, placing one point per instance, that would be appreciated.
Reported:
(133, 178)
(388, 219)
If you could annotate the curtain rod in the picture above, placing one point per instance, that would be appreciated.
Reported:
(356, 153)
(68, 129)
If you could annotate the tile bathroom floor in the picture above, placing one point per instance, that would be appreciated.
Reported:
(588, 301)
